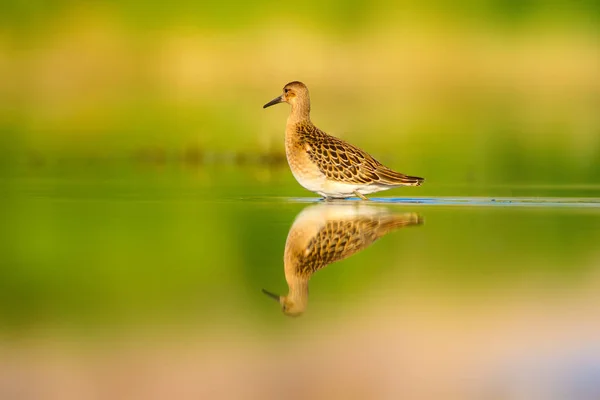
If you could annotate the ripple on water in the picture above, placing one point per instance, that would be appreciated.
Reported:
(476, 201)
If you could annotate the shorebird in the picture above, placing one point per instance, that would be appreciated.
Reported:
(325, 233)
(327, 165)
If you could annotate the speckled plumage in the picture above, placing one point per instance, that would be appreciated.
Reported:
(343, 162)
(325, 164)
(327, 233)
(340, 238)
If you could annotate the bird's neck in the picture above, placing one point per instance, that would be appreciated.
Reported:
(300, 113)
(298, 291)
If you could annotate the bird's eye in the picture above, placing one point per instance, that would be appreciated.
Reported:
(286, 90)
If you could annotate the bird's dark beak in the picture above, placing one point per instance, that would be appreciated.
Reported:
(276, 100)
(271, 295)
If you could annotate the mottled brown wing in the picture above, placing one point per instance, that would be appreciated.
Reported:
(341, 161)
(336, 241)
(339, 239)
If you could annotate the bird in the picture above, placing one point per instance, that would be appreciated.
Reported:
(327, 165)
(326, 233)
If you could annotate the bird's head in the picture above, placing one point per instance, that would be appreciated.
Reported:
(293, 93)
(289, 307)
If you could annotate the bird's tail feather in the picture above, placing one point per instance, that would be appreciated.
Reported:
(390, 177)
(394, 222)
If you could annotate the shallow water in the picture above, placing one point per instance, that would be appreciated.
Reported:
(150, 285)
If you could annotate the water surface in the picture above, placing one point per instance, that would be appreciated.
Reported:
(106, 278)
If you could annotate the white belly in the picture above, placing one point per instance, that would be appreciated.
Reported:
(311, 178)
(328, 188)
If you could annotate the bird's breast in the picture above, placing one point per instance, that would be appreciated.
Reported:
(303, 168)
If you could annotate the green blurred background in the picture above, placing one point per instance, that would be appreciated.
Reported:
(113, 108)
(461, 92)
(144, 193)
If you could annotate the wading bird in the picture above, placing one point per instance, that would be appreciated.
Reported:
(325, 164)
(325, 233)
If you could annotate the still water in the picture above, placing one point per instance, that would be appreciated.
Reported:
(169, 285)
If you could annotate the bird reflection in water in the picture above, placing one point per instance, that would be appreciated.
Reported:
(326, 233)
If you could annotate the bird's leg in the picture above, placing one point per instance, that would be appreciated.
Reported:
(327, 199)
(360, 196)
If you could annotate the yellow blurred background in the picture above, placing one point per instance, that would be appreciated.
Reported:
(146, 200)
(484, 91)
